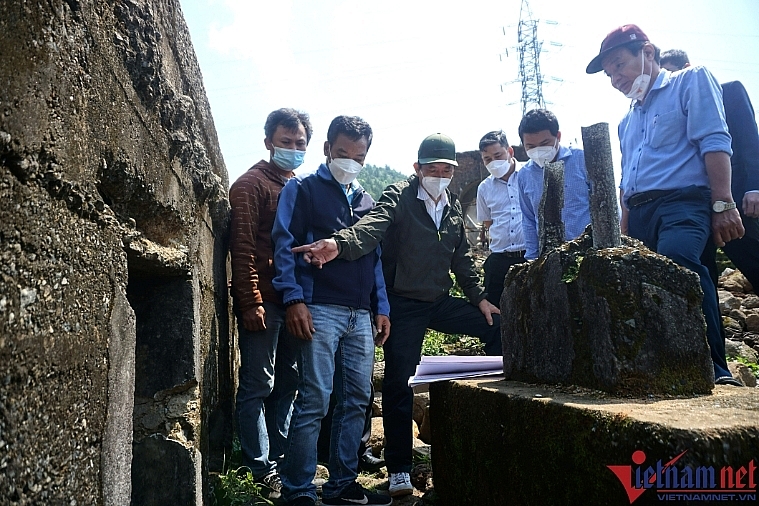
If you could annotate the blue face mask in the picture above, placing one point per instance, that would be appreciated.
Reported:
(288, 159)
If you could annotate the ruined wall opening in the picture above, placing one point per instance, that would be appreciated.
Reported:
(165, 463)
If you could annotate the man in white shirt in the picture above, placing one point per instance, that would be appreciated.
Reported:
(499, 211)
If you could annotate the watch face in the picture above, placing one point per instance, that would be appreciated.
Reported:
(718, 206)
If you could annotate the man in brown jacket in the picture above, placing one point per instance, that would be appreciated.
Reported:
(263, 404)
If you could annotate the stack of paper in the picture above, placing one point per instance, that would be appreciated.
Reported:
(432, 369)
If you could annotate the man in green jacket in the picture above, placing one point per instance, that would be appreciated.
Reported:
(421, 227)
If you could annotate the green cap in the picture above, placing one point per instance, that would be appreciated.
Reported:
(437, 148)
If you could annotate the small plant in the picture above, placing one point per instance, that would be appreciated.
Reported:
(422, 458)
(573, 271)
(433, 343)
(379, 354)
(237, 487)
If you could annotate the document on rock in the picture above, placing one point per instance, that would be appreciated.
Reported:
(432, 369)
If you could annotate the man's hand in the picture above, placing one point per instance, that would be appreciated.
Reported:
(318, 253)
(751, 204)
(383, 329)
(298, 321)
(254, 319)
(727, 226)
(488, 310)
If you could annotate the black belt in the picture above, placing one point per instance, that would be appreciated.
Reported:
(511, 254)
(646, 197)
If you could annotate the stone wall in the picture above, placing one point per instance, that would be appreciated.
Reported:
(115, 360)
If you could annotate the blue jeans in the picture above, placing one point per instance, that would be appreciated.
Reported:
(263, 404)
(342, 348)
(678, 226)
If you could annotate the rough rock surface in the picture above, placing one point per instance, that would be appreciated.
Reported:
(113, 217)
(505, 442)
(618, 319)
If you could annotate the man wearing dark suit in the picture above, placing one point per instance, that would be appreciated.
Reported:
(741, 122)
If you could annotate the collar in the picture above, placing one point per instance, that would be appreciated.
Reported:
(423, 196)
(511, 178)
(324, 173)
(274, 173)
(662, 81)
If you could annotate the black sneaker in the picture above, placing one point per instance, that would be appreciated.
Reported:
(728, 380)
(356, 494)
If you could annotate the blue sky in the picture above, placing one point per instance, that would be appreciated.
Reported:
(412, 68)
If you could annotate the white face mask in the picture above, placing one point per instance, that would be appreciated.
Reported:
(344, 170)
(543, 154)
(640, 85)
(499, 168)
(435, 186)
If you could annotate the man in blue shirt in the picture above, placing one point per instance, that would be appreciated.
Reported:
(739, 115)
(540, 136)
(499, 211)
(330, 310)
(675, 163)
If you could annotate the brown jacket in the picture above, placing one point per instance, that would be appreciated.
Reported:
(253, 198)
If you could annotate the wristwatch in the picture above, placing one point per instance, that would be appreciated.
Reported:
(720, 206)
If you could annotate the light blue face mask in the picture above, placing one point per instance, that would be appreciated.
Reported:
(288, 159)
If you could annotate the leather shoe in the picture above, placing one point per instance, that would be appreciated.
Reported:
(728, 380)
(368, 463)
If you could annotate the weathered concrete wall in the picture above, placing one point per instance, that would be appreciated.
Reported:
(498, 443)
(113, 217)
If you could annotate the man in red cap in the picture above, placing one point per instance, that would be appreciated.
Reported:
(675, 145)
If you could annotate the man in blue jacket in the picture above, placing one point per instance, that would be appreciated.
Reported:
(739, 115)
(330, 310)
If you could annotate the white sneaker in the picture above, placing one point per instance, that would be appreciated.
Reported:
(400, 484)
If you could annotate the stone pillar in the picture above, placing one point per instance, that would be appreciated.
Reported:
(604, 216)
(550, 224)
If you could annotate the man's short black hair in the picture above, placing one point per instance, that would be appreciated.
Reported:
(537, 120)
(290, 119)
(490, 138)
(352, 127)
(676, 57)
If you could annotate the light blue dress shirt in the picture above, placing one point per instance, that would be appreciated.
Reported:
(664, 140)
(576, 211)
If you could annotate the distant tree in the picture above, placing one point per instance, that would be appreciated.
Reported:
(375, 179)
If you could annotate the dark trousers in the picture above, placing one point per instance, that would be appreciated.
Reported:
(678, 227)
(409, 320)
(496, 267)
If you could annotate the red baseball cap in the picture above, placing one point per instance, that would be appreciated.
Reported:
(618, 37)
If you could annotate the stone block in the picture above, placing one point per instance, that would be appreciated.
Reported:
(504, 442)
(750, 302)
(752, 322)
(742, 373)
(728, 301)
(618, 319)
